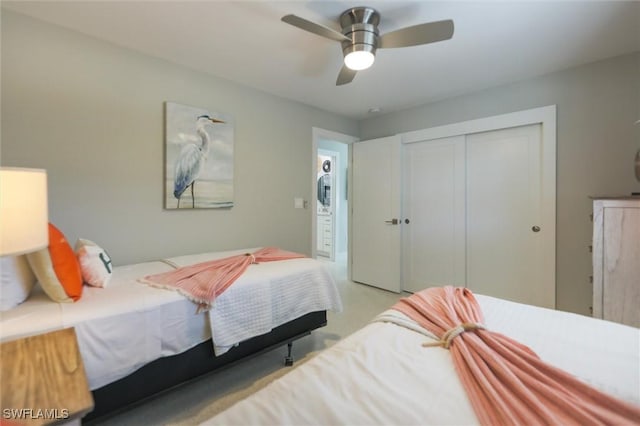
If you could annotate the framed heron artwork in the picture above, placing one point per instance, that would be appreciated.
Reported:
(198, 158)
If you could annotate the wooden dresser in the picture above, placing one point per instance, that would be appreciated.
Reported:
(616, 259)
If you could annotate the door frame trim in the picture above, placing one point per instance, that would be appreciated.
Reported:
(543, 115)
(547, 117)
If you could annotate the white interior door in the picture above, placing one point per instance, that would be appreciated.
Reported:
(504, 205)
(375, 249)
(434, 205)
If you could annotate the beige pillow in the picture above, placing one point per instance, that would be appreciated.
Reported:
(57, 268)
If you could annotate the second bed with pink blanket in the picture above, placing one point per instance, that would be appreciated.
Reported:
(383, 374)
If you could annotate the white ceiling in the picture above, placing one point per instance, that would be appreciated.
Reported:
(494, 43)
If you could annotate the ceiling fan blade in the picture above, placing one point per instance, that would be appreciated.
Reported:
(345, 76)
(418, 34)
(314, 28)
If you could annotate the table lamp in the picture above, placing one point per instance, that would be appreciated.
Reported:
(23, 210)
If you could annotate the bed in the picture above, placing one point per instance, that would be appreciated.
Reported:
(137, 340)
(383, 375)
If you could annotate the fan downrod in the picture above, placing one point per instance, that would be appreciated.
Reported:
(359, 15)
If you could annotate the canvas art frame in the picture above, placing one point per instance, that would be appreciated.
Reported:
(199, 160)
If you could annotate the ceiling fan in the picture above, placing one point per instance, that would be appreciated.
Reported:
(360, 37)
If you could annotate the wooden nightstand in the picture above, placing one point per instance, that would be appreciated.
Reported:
(42, 380)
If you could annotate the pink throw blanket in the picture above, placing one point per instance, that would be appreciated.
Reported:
(205, 281)
(505, 381)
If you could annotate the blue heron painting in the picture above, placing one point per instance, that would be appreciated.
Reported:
(199, 158)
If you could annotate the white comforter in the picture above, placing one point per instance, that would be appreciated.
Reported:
(382, 375)
(128, 324)
(265, 296)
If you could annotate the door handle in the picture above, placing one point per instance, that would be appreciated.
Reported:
(392, 221)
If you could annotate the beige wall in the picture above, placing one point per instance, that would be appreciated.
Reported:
(597, 105)
(91, 114)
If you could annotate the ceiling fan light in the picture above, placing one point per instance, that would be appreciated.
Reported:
(359, 60)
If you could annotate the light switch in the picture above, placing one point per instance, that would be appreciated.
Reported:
(298, 203)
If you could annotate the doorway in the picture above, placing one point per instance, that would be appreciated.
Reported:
(330, 201)
(327, 209)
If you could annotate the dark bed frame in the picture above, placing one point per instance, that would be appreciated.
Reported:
(168, 372)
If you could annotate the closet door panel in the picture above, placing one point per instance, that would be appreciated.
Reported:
(504, 232)
(433, 240)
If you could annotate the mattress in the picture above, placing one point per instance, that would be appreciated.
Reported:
(382, 375)
(128, 324)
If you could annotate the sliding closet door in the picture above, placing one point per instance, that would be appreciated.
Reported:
(434, 207)
(504, 229)
(476, 209)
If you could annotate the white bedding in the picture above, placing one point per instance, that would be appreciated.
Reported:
(293, 288)
(128, 324)
(382, 375)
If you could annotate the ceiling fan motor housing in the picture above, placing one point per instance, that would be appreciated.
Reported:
(360, 24)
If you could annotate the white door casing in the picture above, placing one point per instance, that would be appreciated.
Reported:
(375, 201)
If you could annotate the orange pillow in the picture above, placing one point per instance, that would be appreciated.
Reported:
(57, 268)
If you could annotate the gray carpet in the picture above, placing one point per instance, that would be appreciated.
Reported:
(199, 400)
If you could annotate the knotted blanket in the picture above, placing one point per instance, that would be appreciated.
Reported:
(505, 381)
(203, 282)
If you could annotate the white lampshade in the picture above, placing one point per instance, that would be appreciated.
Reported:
(23, 210)
(359, 60)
